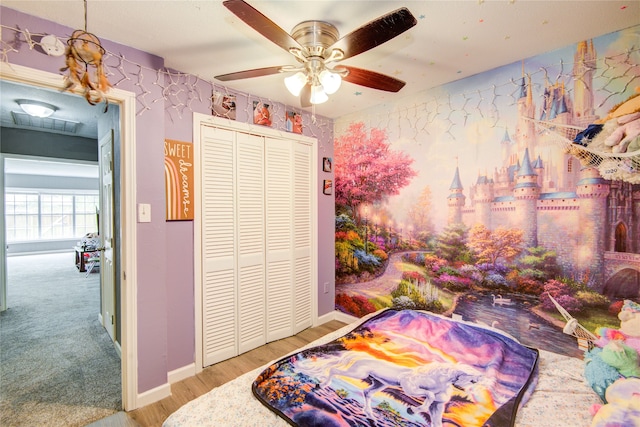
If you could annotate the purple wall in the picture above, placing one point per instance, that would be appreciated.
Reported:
(165, 255)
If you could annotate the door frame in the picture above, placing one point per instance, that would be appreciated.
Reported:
(108, 301)
(128, 288)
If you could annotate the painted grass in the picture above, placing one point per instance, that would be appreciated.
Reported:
(593, 319)
(446, 297)
(382, 301)
(407, 266)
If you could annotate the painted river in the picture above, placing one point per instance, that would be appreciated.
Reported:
(516, 318)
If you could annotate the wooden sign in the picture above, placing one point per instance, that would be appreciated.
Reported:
(178, 179)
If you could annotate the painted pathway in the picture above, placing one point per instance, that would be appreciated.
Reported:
(382, 285)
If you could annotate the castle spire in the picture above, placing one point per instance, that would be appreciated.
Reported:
(455, 200)
(505, 138)
(526, 169)
(456, 184)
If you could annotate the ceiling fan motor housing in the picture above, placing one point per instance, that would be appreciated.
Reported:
(315, 36)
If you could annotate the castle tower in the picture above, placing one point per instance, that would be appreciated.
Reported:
(455, 200)
(583, 69)
(482, 199)
(525, 128)
(592, 193)
(526, 192)
(506, 146)
(538, 168)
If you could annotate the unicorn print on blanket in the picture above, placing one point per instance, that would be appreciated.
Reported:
(403, 368)
(432, 383)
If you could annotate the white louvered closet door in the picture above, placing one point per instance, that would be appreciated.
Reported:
(257, 240)
(302, 238)
(279, 233)
(219, 320)
(251, 241)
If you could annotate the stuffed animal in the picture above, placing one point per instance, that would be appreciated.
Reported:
(621, 357)
(623, 407)
(617, 353)
(598, 373)
(626, 132)
(629, 331)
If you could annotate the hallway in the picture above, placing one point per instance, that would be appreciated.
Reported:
(58, 365)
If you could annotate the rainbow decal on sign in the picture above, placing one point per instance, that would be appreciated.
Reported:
(178, 178)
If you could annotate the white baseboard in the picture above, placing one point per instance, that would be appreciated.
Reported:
(181, 373)
(343, 317)
(325, 318)
(336, 315)
(155, 394)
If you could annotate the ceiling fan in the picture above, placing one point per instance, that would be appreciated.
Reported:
(317, 45)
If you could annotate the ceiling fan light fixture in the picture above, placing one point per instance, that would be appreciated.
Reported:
(36, 108)
(330, 81)
(318, 95)
(296, 82)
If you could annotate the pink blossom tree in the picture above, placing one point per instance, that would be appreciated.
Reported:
(366, 169)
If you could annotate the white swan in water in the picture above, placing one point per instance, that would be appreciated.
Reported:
(494, 324)
(499, 300)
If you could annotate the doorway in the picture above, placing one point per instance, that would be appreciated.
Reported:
(125, 217)
(54, 326)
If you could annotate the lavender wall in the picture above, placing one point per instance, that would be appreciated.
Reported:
(165, 255)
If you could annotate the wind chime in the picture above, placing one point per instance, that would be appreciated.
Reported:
(85, 71)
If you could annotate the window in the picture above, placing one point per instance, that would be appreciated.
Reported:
(49, 216)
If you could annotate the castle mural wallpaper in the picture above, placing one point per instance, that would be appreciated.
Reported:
(484, 200)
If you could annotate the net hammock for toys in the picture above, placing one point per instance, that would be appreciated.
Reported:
(573, 328)
(615, 166)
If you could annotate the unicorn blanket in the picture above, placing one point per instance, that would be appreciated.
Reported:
(409, 368)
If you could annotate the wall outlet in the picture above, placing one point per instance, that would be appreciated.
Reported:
(326, 287)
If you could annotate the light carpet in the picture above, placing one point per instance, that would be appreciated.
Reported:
(58, 366)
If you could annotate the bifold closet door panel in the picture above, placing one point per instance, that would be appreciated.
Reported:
(250, 187)
(302, 238)
(279, 237)
(257, 239)
(219, 301)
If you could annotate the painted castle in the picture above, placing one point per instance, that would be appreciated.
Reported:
(591, 223)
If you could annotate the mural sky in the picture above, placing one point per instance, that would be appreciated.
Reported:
(463, 123)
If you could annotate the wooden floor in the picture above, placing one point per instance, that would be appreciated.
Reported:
(213, 376)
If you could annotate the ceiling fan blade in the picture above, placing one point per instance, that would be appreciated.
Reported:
(261, 24)
(376, 32)
(305, 96)
(372, 79)
(247, 74)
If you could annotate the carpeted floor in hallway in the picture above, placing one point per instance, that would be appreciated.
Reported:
(58, 366)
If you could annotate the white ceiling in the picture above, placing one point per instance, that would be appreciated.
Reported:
(70, 108)
(452, 40)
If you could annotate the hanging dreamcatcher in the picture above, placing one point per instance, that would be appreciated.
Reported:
(84, 67)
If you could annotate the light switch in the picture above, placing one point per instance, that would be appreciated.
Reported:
(144, 212)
